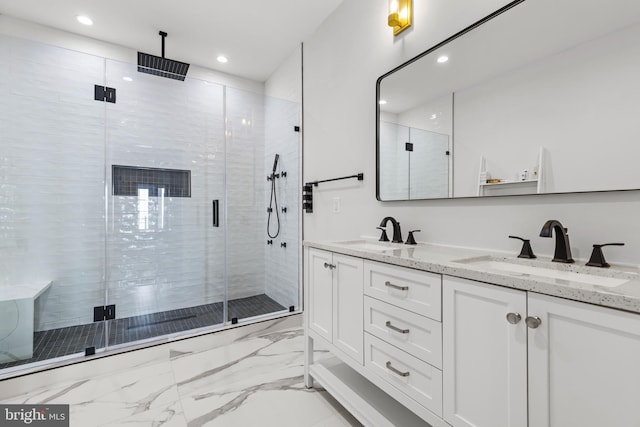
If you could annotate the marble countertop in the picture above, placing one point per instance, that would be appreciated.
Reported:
(23, 291)
(454, 261)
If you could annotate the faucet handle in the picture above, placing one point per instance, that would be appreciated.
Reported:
(383, 237)
(410, 239)
(597, 257)
(526, 251)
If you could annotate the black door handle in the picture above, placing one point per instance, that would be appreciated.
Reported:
(216, 213)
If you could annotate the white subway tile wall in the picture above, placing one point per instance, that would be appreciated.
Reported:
(52, 158)
(246, 184)
(159, 248)
(281, 264)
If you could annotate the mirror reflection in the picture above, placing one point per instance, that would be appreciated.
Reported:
(538, 98)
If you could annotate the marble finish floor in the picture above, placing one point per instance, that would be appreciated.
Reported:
(247, 376)
(75, 339)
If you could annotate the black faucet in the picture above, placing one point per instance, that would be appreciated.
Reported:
(563, 249)
(397, 234)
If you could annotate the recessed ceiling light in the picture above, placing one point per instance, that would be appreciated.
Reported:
(84, 20)
(442, 59)
(382, 102)
(127, 79)
(222, 58)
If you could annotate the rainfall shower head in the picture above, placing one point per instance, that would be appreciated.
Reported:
(161, 66)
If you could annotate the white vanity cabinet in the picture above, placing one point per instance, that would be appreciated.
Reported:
(569, 363)
(335, 302)
(382, 326)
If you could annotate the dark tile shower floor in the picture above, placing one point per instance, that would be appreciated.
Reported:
(74, 339)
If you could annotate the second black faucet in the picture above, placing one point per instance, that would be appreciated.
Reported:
(562, 251)
(397, 233)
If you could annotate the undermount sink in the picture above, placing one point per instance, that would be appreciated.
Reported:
(367, 245)
(568, 272)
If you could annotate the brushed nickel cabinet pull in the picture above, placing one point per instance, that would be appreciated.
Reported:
(391, 285)
(329, 266)
(395, 328)
(395, 371)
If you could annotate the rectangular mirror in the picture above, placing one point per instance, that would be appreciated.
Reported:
(539, 97)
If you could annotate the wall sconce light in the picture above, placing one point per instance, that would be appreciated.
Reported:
(400, 15)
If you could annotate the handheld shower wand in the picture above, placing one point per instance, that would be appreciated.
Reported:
(273, 200)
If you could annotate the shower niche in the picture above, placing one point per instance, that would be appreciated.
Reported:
(115, 203)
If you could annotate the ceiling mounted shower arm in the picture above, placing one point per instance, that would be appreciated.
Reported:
(161, 65)
(163, 35)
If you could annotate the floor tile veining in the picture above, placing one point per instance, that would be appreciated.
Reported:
(247, 376)
(75, 339)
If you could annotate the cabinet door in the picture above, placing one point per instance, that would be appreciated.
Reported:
(320, 288)
(584, 365)
(484, 356)
(348, 321)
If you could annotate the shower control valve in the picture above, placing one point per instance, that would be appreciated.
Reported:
(283, 174)
(283, 244)
(284, 210)
(269, 242)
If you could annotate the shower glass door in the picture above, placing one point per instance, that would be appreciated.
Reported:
(262, 205)
(428, 164)
(165, 175)
(52, 225)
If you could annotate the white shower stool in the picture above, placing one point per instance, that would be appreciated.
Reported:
(16, 320)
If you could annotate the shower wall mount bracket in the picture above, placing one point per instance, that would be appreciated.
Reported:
(104, 94)
(102, 313)
(307, 190)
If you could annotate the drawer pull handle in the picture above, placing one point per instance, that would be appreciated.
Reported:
(395, 328)
(395, 371)
(400, 288)
(329, 266)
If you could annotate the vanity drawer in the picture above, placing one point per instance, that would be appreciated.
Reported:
(417, 379)
(417, 335)
(414, 290)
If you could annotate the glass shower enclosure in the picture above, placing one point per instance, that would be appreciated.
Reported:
(139, 219)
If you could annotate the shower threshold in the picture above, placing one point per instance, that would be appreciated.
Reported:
(61, 342)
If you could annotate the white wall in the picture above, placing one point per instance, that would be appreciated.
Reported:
(436, 116)
(286, 81)
(342, 61)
